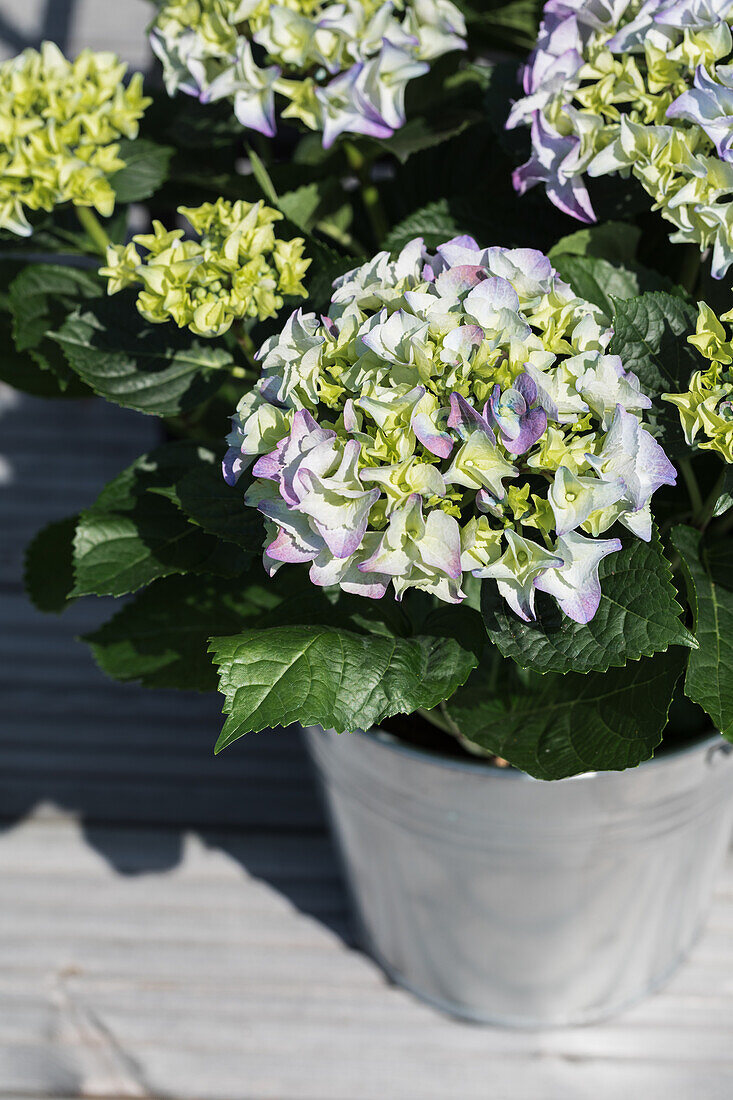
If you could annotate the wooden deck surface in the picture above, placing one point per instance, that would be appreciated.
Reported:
(173, 925)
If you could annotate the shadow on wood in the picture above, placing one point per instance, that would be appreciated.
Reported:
(136, 767)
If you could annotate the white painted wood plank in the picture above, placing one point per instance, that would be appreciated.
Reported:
(214, 987)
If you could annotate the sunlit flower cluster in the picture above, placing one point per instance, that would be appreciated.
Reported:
(706, 408)
(237, 268)
(60, 122)
(340, 65)
(642, 89)
(453, 413)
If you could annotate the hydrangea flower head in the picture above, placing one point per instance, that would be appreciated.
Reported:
(237, 268)
(642, 89)
(341, 65)
(453, 413)
(60, 124)
(706, 408)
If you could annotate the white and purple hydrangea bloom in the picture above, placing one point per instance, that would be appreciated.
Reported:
(709, 105)
(424, 430)
(341, 66)
(612, 86)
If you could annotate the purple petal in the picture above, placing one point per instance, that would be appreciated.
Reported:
(287, 548)
(437, 442)
(350, 420)
(465, 419)
(533, 426)
(524, 385)
(233, 465)
(464, 339)
(457, 280)
(454, 250)
(270, 465)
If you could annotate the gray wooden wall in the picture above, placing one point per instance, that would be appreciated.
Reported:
(117, 25)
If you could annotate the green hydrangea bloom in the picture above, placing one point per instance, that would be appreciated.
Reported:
(237, 268)
(60, 122)
(706, 408)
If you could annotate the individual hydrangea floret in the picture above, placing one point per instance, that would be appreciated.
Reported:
(60, 124)
(452, 413)
(641, 89)
(237, 268)
(706, 408)
(340, 65)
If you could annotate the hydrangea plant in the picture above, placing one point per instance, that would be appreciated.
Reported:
(637, 89)
(340, 67)
(491, 480)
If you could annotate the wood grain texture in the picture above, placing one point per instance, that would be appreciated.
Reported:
(173, 925)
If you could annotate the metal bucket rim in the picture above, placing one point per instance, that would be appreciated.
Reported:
(426, 756)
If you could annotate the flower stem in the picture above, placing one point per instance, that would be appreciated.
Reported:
(369, 192)
(436, 718)
(725, 524)
(341, 237)
(246, 343)
(693, 488)
(245, 375)
(93, 229)
(706, 513)
(690, 269)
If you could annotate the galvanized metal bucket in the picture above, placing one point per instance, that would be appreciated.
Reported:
(505, 900)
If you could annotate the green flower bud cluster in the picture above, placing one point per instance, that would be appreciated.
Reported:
(60, 122)
(706, 408)
(236, 269)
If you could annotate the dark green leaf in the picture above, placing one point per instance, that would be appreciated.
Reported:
(49, 571)
(567, 725)
(263, 177)
(160, 637)
(725, 501)
(709, 576)
(425, 133)
(18, 369)
(327, 264)
(512, 24)
(206, 499)
(613, 241)
(37, 288)
(650, 336)
(638, 615)
(146, 168)
(334, 677)
(40, 299)
(601, 282)
(434, 222)
(304, 206)
(155, 369)
(132, 535)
